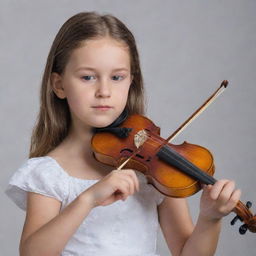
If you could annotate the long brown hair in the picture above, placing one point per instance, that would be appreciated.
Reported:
(53, 120)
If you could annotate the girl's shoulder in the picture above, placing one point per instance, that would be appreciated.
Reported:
(39, 175)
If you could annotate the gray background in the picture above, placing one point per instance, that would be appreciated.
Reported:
(187, 48)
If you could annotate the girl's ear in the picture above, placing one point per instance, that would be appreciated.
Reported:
(56, 83)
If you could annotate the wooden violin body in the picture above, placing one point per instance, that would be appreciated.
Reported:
(169, 180)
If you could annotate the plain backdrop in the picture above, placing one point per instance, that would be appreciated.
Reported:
(186, 48)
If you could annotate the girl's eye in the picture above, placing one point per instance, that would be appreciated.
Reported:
(88, 78)
(117, 78)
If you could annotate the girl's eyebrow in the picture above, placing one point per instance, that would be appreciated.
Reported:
(94, 69)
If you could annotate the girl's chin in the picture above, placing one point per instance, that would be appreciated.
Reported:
(102, 124)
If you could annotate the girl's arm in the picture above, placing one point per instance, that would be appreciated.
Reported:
(47, 230)
(185, 240)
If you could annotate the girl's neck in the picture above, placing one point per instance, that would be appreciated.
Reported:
(75, 155)
(78, 142)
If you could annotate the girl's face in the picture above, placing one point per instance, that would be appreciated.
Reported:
(96, 82)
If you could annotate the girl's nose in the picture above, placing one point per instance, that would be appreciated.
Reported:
(103, 89)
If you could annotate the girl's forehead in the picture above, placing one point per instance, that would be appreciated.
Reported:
(104, 52)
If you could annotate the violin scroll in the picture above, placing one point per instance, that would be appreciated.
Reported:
(246, 216)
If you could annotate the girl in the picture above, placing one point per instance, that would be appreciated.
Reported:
(76, 205)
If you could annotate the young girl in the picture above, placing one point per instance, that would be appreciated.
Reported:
(76, 205)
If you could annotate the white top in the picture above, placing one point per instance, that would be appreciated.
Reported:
(124, 228)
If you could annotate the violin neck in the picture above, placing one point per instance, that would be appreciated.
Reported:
(170, 156)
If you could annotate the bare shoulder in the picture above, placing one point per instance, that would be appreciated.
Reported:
(175, 222)
(37, 215)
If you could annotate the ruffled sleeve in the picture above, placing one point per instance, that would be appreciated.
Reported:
(38, 175)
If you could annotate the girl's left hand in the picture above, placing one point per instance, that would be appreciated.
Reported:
(218, 200)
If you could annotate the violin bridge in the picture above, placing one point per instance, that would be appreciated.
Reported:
(140, 137)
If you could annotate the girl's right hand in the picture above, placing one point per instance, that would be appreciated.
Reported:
(118, 184)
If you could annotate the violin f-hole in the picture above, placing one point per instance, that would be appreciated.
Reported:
(126, 149)
(131, 151)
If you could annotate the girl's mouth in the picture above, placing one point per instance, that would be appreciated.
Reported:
(103, 108)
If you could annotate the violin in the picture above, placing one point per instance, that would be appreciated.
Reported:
(174, 170)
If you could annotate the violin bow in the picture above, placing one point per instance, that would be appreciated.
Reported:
(141, 137)
(206, 104)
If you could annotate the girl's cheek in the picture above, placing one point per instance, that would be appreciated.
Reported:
(76, 102)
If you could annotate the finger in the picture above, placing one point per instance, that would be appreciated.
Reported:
(122, 183)
(203, 186)
(217, 188)
(235, 197)
(207, 187)
(121, 187)
(134, 177)
(206, 190)
(124, 186)
(226, 192)
(130, 181)
(120, 180)
(131, 178)
(131, 175)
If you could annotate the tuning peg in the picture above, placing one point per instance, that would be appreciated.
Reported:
(243, 229)
(235, 220)
(248, 204)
